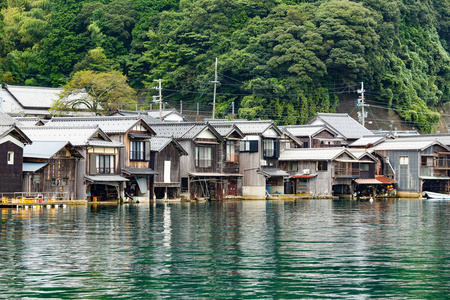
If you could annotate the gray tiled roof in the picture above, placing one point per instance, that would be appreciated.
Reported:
(37, 97)
(407, 144)
(158, 144)
(27, 121)
(77, 136)
(43, 149)
(248, 127)
(6, 120)
(359, 153)
(311, 153)
(304, 130)
(367, 141)
(176, 130)
(342, 123)
(109, 124)
(442, 138)
(226, 129)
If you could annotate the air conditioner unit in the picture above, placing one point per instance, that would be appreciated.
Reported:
(306, 171)
(263, 162)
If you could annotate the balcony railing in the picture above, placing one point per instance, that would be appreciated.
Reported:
(346, 172)
(232, 157)
(442, 163)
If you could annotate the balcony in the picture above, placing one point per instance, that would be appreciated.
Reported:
(346, 172)
(442, 163)
(232, 157)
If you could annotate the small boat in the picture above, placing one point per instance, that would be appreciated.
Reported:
(436, 196)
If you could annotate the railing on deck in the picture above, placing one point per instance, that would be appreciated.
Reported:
(21, 197)
(346, 172)
(232, 157)
(442, 163)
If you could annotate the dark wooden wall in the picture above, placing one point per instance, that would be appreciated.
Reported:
(10, 175)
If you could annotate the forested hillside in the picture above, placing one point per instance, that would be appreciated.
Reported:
(283, 60)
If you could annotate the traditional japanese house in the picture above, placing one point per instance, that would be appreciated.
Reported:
(417, 165)
(134, 158)
(371, 183)
(165, 160)
(201, 170)
(258, 157)
(230, 157)
(12, 142)
(320, 171)
(49, 170)
(347, 128)
(96, 173)
(314, 136)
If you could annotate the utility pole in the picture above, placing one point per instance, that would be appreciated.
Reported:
(160, 98)
(361, 102)
(181, 107)
(215, 87)
(232, 108)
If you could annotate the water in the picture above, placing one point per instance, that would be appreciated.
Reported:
(228, 250)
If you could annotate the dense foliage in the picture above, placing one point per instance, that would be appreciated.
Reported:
(284, 60)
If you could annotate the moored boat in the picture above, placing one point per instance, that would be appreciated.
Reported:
(436, 196)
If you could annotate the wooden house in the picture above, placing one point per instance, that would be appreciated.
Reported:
(49, 169)
(229, 162)
(320, 171)
(417, 165)
(165, 159)
(348, 129)
(258, 157)
(134, 158)
(12, 142)
(314, 136)
(96, 173)
(371, 183)
(201, 171)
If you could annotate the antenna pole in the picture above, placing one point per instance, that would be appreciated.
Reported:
(160, 98)
(215, 88)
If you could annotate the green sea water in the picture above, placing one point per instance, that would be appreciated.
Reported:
(322, 249)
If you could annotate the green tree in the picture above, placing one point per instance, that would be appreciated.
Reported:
(96, 92)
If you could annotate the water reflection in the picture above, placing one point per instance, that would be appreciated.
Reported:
(251, 249)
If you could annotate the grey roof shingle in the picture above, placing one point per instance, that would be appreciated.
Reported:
(342, 123)
(109, 124)
(249, 127)
(77, 136)
(305, 130)
(32, 96)
(157, 144)
(312, 154)
(367, 141)
(43, 149)
(408, 144)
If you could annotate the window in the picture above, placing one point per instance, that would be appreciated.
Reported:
(248, 146)
(271, 148)
(203, 157)
(292, 166)
(404, 160)
(427, 161)
(137, 150)
(10, 157)
(231, 155)
(364, 167)
(322, 166)
(105, 164)
(303, 182)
